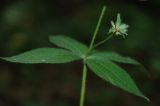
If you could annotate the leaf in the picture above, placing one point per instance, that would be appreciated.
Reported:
(70, 44)
(115, 75)
(113, 57)
(43, 55)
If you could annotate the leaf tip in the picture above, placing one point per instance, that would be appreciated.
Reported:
(146, 98)
(4, 58)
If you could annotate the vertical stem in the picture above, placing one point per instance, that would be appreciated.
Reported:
(84, 76)
(83, 87)
(97, 28)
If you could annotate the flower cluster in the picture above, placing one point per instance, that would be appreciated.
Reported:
(119, 28)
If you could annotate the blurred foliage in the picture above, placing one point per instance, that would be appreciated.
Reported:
(26, 24)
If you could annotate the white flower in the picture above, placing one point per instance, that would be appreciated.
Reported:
(119, 28)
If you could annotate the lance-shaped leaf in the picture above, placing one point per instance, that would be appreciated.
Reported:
(113, 57)
(43, 55)
(115, 75)
(70, 44)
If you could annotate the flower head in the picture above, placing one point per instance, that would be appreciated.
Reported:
(119, 28)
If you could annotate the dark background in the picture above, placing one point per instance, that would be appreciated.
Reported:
(26, 24)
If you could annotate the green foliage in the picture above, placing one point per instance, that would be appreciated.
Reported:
(115, 75)
(99, 62)
(70, 44)
(44, 55)
(113, 56)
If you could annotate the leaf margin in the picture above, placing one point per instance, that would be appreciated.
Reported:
(42, 58)
(76, 47)
(140, 94)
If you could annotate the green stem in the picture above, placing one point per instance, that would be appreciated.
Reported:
(103, 41)
(83, 87)
(97, 28)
